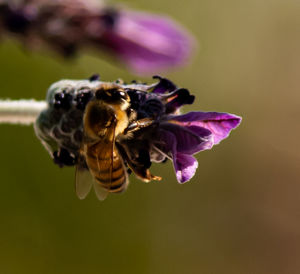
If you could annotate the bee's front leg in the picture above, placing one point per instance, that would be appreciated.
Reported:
(138, 124)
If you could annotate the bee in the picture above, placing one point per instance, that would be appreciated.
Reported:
(109, 125)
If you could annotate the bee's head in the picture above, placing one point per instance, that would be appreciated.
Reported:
(112, 94)
(98, 118)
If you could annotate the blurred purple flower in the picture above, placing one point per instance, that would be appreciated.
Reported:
(144, 42)
(147, 43)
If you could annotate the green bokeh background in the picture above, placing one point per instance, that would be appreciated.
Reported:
(239, 214)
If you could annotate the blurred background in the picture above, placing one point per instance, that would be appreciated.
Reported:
(239, 214)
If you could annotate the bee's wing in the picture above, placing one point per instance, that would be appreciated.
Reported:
(101, 192)
(83, 181)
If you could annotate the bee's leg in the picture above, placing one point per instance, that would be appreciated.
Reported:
(139, 165)
(138, 124)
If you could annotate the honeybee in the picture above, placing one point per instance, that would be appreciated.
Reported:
(108, 126)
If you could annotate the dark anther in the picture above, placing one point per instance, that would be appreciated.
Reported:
(94, 77)
(164, 85)
(133, 81)
(63, 158)
(83, 98)
(62, 100)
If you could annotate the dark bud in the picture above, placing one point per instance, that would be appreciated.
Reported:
(83, 98)
(63, 158)
(94, 77)
(62, 100)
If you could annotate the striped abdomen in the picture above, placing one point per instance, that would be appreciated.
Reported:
(108, 171)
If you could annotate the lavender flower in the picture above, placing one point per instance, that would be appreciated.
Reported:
(172, 135)
(143, 41)
(181, 136)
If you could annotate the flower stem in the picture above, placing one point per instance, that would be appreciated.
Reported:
(22, 112)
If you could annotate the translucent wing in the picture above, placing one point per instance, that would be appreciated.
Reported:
(101, 192)
(83, 181)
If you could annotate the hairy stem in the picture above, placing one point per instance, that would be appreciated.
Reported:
(22, 112)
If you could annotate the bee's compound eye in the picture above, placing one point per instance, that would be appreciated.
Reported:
(122, 94)
(118, 94)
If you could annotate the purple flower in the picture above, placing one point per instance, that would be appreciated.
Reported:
(147, 42)
(144, 42)
(181, 136)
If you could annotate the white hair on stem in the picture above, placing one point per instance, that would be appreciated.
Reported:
(22, 112)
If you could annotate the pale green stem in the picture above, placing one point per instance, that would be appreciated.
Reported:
(22, 111)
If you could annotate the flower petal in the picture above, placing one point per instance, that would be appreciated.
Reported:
(148, 43)
(166, 142)
(185, 167)
(189, 141)
(219, 124)
(164, 85)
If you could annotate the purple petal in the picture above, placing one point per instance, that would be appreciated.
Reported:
(167, 142)
(185, 167)
(219, 124)
(188, 139)
(164, 85)
(148, 43)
